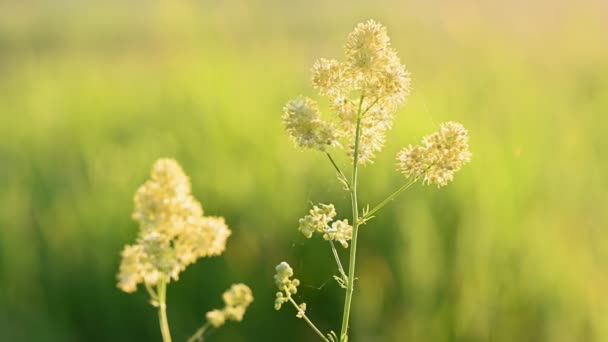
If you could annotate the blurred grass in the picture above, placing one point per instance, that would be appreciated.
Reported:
(92, 93)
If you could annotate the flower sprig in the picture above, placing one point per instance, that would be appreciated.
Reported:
(369, 85)
(236, 300)
(364, 91)
(173, 234)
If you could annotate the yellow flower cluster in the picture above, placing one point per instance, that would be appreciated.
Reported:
(369, 84)
(236, 300)
(173, 231)
(318, 221)
(286, 286)
(439, 157)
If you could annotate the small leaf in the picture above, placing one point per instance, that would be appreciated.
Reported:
(340, 281)
(343, 181)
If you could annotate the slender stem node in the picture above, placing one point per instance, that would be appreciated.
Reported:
(341, 175)
(162, 310)
(310, 323)
(337, 257)
(369, 214)
(198, 335)
(353, 248)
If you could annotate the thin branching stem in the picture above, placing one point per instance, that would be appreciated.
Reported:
(162, 310)
(337, 257)
(369, 214)
(152, 293)
(341, 174)
(198, 335)
(310, 323)
(370, 107)
(353, 248)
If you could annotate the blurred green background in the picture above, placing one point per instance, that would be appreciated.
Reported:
(92, 92)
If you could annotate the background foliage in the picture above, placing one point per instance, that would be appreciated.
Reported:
(91, 93)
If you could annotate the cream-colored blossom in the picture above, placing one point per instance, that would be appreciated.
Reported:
(130, 273)
(319, 221)
(216, 318)
(301, 310)
(302, 120)
(173, 231)
(236, 299)
(319, 218)
(370, 84)
(286, 286)
(439, 157)
(339, 231)
(366, 45)
(280, 300)
(329, 77)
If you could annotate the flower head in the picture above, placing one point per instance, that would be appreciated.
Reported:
(439, 157)
(340, 231)
(370, 84)
(286, 286)
(319, 221)
(319, 218)
(302, 120)
(216, 318)
(173, 231)
(236, 299)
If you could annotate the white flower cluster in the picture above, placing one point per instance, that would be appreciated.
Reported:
(318, 221)
(173, 231)
(439, 157)
(368, 85)
(302, 120)
(286, 286)
(236, 300)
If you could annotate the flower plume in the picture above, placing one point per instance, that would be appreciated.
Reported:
(236, 299)
(173, 231)
(439, 157)
(370, 84)
(302, 120)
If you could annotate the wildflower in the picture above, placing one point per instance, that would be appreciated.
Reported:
(382, 82)
(318, 220)
(328, 77)
(236, 300)
(173, 231)
(340, 231)
(303, 122)
(286, 286)
(216, 318)
(366, 45)
(370, 83)
(280, 300)
(301, 310)
(439, 157)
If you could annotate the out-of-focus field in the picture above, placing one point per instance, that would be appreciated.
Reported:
(516, 249)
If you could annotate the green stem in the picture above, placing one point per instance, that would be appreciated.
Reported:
(310, 323)
(337, 257)
(340, 173)
(162, 310)
(370, 106)
(198, 335)
(353, 248)
(369, 214)
(152, 293)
